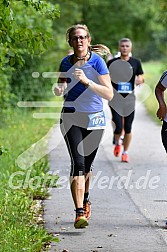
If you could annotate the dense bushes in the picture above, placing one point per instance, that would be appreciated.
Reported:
(27, 88)
(25, 29)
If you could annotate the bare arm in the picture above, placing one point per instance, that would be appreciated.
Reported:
(139, 79)
(159, 93)
(105, 90)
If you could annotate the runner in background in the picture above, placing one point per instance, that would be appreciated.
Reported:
(162, 110)
(125, 73)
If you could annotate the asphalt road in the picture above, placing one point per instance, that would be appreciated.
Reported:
(129, 201)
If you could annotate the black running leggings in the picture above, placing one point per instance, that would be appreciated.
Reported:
(119, 124)
(164, 134)
(82, 144)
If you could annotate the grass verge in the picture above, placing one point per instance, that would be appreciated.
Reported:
(21, 190)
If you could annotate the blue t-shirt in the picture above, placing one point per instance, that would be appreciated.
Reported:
(77, 96)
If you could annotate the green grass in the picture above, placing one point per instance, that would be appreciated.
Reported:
(20, 231)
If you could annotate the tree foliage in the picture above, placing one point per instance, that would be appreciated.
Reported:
(139, 20)
(25, 26)
(31, 27)
(25, 29)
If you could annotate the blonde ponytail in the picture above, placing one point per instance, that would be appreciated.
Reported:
(101, 50)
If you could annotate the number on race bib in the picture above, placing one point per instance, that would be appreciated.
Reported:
(97, 121)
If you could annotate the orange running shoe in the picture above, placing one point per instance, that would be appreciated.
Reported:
(125, 157)
(87, 209)
(80, 221)
(117, 150)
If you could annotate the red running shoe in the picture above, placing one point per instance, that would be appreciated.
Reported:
(125, 157)
(80, 221)
(117, 150)
(87, 209)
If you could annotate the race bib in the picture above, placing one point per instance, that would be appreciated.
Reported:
(124, 87)
(97, 121)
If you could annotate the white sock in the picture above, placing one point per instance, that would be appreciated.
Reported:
(125, 152)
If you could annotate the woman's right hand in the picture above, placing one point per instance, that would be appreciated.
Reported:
(59, 90)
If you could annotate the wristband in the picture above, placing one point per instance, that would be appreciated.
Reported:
(90, 82)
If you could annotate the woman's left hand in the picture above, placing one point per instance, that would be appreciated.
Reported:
(79, 75)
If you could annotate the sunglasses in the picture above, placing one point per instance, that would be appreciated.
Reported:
(76, 38)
